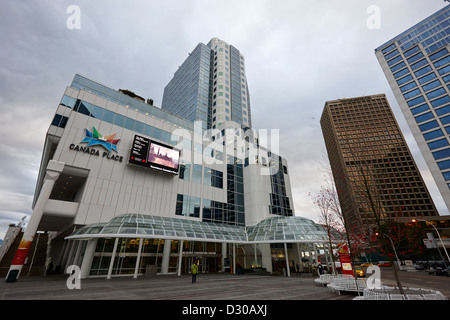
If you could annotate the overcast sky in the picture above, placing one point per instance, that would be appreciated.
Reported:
(299, 54)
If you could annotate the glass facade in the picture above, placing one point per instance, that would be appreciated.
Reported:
(82, 83)
(210, 86)
(419, 61)
(189, 93)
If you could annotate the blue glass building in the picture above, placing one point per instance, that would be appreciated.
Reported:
(210, 86)
(417, 66)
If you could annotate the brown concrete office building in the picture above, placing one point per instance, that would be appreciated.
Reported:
(364, 143)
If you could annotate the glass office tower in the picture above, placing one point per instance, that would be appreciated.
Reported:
(210, 86)
(417, 66)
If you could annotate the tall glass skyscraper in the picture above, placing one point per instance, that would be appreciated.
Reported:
(417, 66)
(210, 86)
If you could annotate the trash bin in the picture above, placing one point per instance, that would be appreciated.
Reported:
(150, 271)
(12, 276)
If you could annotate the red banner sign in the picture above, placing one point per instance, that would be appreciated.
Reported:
(346, 262)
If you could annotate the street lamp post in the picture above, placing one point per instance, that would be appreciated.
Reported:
(439, 235)
(393, 247)
(395, 251)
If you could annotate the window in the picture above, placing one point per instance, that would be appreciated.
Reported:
(411, 51)
(438, 144)
(415, 58)
(444, 70)
(442, 62)
(416, 101)
(424, 117)
(213, 178)
(68, 102)
(395, 60)
(411, 94)
(197, 173)
(443, 165)
(443, 110)
(387, 49)
(404, 80)
(436, 93)
(446, 175)
(408, 86)
(427, 78)
(423, 71)
(391, 55)
(428, 125)
(398, 66)
(433, 134)
(440, 101)
(445, 120)
(441, 154)
(419, 64)
(59, 121)
(185, 171)
(401, 73)
(187, 206)
(420, 109)
(438, 54)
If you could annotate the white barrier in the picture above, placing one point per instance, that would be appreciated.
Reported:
(392, 293)
(326, 279)
(347, 284)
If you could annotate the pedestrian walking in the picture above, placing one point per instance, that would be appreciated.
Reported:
(320, 268)
(194, 271)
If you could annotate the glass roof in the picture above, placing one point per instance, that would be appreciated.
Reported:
(270, 230)
(145, 226)
(286, 229)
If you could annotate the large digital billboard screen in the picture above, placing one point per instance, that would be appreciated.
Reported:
(154, 155)
(163, 157)
(139, 151)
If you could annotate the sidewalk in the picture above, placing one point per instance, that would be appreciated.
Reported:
(171, 287)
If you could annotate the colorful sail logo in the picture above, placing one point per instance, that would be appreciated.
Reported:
(94, 138)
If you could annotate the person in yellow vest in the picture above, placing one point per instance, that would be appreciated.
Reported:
(194, 271)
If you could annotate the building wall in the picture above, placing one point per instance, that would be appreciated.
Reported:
(365, 144)
(210, 86)
(109, 187)
(416, 64)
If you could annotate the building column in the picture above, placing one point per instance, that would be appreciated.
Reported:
(180, 256)
(234, 258)
(113, 256)
(80, 246)
(166, 257)
(54, 169)
(88, 257)
(138, 258)
(224, 255)
(266, 256)
(288, 269)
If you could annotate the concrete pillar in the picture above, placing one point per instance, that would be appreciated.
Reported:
(234, 258)
(138, 259)
(266, 256)
(88, 257)
(54, 169)
(76, 259)
(288, 269)
(166, 257)
(180, 256)
(113, 256)
(224, 255)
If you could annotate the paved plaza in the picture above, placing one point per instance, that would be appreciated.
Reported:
(207, 287)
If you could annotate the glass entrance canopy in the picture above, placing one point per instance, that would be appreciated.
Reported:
(271, 230)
